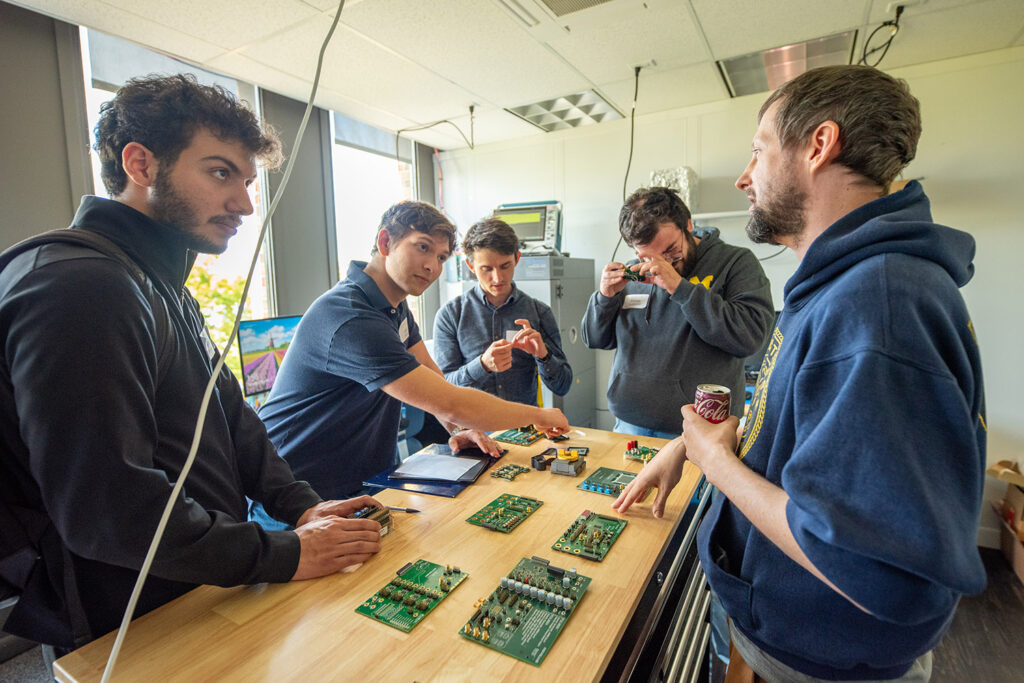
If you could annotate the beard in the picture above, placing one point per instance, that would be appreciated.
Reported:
(780, 214)
(685, 267)
(170, 207)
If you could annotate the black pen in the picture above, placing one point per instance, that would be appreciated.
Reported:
(392, 507)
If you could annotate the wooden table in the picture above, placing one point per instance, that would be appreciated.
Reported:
(309, 630)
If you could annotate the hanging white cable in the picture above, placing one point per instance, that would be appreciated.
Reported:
(201, 418)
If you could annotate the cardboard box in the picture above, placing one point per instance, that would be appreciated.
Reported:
(1008, 471)
(1013, 549)
(1012, 510)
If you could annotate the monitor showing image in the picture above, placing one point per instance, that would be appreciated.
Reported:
(262, 345)
(529, 223)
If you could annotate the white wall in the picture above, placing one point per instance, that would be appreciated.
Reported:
(969, 156)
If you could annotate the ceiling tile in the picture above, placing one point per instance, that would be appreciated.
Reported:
(129, 25)
(222, 23)
(474, 44)
(962, 30)
(669, 89)
(738, 27)
(607, 52)
(363, 71)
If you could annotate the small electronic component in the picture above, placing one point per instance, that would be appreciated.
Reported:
(417, 588)
(524, 615)
(590, 536)
(608, 481)
(559, 438)
(578, 450)
(524, 436)
(632, 275)
(568, 461)
(509, 472)
(540, 462)
(641, 453)
(377, 514)
(505, 512)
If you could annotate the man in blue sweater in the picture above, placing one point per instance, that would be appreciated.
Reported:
(846, 533)
(495, 337)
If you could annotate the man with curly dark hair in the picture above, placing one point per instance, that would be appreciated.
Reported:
(686, 312)
(105, 361)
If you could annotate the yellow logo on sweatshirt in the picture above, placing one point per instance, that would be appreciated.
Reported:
(706, 281)
(755, 420)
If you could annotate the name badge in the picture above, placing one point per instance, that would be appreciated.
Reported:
(208, 345)
(636, 301)
(403, 330)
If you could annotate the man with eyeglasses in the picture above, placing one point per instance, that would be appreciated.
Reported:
(686, 312)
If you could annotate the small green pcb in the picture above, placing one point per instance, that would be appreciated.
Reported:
(417, 588)
(523, 436)
(641, 453)
(505, 512)
(509, 472)
(632, 275)
(609, 482)
(524, 615)
(590, 536)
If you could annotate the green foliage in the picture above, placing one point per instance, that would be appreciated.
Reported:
(218, 298)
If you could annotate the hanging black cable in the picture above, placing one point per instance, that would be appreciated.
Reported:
(470, 141)
(629, 161)
(894, 27)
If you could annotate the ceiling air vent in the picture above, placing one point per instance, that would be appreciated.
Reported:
(568, 111)
(762, 71)
(562, 7)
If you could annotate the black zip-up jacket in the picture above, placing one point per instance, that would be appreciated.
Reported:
(99, 397)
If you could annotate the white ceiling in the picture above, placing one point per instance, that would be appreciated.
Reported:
(402, 63)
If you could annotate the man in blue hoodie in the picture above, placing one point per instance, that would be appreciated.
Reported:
(846, 533)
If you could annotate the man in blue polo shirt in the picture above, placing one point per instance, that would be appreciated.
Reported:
(357, 356)
(472, 340)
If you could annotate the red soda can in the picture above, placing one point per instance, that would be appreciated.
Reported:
(712, 402)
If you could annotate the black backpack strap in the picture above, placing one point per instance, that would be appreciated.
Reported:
(28, 536)
(84, 238)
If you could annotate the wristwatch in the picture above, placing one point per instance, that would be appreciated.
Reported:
(546, 358)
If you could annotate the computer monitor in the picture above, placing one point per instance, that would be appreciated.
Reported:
(537, 224)
(262, 345)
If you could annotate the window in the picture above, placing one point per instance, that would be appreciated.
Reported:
(215, 281)
(367, 180)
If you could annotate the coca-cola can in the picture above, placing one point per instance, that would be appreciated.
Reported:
(712, 402)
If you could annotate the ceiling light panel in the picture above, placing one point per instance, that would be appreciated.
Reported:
(763, 71)
(569, 111)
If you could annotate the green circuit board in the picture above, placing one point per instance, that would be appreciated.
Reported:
(591, 536)
(608, 482)
(509, 472)
(524, 436)
(505, 512)
(632, 275)
(641, 453)
(524, 615)
(407, 599)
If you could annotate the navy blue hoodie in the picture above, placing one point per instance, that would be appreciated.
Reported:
(869, 413)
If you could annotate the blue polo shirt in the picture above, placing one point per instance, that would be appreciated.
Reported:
(326, 413)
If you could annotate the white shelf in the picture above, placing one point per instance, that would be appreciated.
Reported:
(718, 214)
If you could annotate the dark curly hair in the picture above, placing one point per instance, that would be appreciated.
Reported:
(490, 233)
(646, 209)
(406, 216)
(163, 113)
(879, 120)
